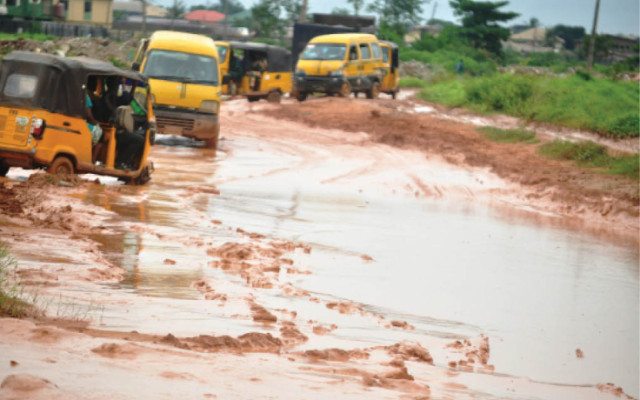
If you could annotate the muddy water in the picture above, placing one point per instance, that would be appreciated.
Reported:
(449, 261)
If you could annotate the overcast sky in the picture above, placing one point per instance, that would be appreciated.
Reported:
(616, 16)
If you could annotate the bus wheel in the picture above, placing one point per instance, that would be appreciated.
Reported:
(374, 91)
(273, 97)
(252, 99)
(345, 90)
(61, 166)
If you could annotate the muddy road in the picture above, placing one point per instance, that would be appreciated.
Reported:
(336, 248)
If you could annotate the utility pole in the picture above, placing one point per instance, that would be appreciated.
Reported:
(303, 11)
(433, 12)
(144, 18)
(592, 39)
(226, 18)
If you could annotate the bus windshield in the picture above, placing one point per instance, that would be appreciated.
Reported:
(182, 67)
(324, 51)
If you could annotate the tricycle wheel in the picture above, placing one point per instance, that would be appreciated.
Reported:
(253, 98)
(345, 90)
(61, 166)
(143, 178)
(4, 168)
(301, 96)
(273, 97)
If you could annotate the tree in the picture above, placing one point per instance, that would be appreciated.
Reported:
(357, 5)
(271, 17)
(570, 34)
(341, 11)
(176, 10)
(602, 47)
(396, 15)
(480, 23)
(232, 7)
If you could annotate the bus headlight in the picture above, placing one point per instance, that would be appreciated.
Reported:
(209, 107)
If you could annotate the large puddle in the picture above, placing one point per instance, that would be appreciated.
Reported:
(448, 266)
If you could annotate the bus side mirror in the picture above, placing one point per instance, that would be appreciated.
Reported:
(135, 66)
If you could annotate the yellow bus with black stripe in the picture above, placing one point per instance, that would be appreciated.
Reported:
(340, 63)
(184, 75)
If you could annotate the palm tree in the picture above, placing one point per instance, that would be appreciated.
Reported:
(357, 5)
(176, 10)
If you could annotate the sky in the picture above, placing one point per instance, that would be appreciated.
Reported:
(616, 16)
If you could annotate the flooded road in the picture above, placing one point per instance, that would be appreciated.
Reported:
(410, 247)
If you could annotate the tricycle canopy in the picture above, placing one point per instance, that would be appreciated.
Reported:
(278, 58)
(60, 81)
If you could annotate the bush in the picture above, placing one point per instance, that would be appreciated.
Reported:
(412, 82)
(449, 92)
(504, 93)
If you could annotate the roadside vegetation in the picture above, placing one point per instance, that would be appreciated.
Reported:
(600, 105)
(585, 154)
(547, 87)
(34, 36)
(508, 135)
(592, 155)
(10, 290)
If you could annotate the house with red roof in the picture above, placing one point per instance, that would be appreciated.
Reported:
(205, 16)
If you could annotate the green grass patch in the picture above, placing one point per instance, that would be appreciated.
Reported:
(118, 63)
(449, 92)
(589, 154)
(508, 135)
(412, 82)
(35, 36)
(600, 105)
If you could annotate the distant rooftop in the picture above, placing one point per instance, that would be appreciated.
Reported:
(205, 16)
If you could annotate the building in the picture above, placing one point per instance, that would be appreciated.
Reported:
(532, 40)
(89, 11)
(122, 10)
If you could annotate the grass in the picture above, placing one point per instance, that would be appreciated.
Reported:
(118, 63)
(10, 303)
(412, 82)
(450, 92)
(35, 36)
(508, 135)
(592, 155)
(600, 105)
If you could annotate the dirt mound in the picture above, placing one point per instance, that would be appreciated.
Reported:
(411, 351)
(98, 48)
(249, 342)
(560, 187)
(22, 386)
